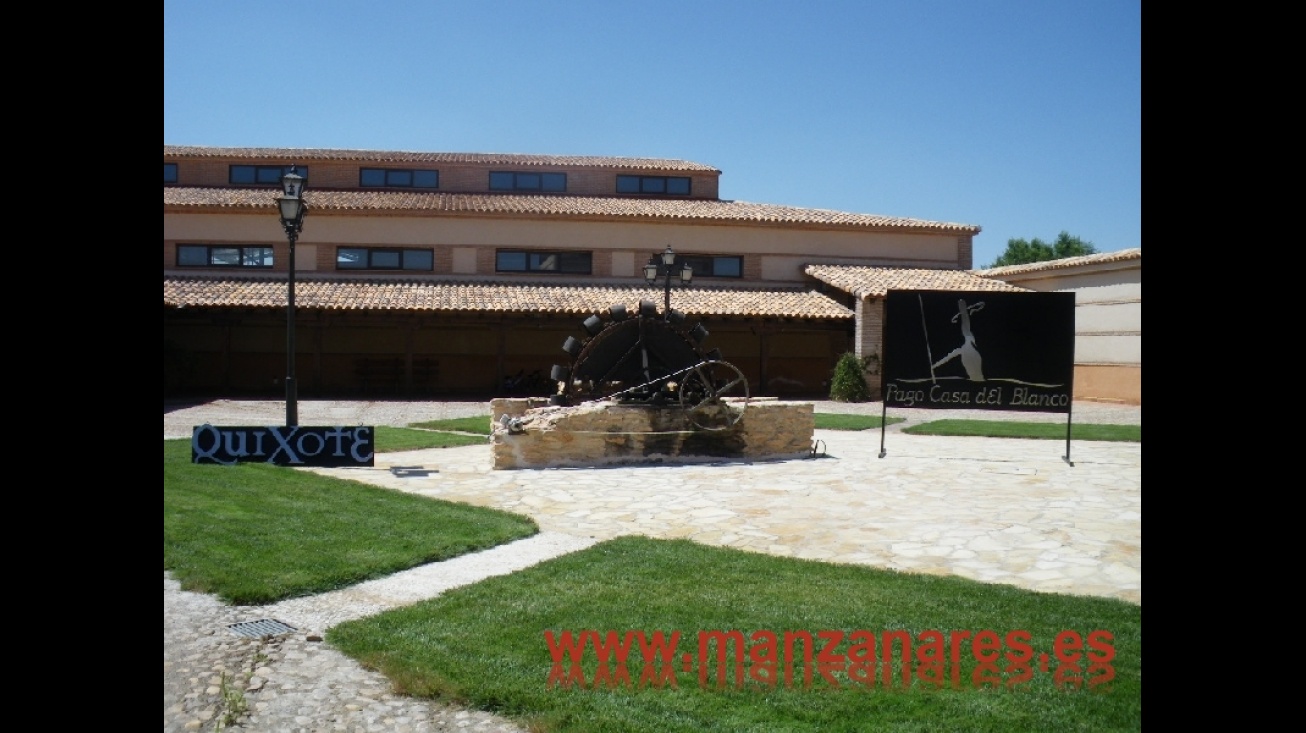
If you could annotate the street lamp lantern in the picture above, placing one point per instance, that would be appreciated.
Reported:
(292, 207)
(668, 265)
(292, 200)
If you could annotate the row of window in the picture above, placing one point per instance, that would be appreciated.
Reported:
(347, 258)
(251, 175)
(199, 255)
(376, 258)
(510, 181)
(574, 263)
(398, 178)
(673, 185)
(270, 175)
(393, 258)
(707, 266)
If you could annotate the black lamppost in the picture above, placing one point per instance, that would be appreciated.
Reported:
(668, 262)
(292, 208)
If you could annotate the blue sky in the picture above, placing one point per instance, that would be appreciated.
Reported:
(1023, 117)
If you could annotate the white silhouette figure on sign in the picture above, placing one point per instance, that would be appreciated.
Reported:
(970, 355)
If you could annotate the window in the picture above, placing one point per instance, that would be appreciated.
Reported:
(169, 172)
(666, 185)
(709, 266)
(222, 255)
(509, 181)
(397, 178)
(261, 175)
(576, 263)
(376, 258)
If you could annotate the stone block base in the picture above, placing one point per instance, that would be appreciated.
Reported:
(607, 434)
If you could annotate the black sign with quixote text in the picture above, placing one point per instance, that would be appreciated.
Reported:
(284, 445)
(978, 350)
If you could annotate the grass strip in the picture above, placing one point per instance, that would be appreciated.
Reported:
(256, 533)
(839, 421)
(479, 424)
(484, 645)
(1033, 430)
(390, 439)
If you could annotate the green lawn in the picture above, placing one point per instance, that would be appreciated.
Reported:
(257, 533)
(485, 645)
(1037, 430)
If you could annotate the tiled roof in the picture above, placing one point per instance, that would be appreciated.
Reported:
(483, 297)
(308, 155)
(877, 281)
(549, 205)
(1100, 258)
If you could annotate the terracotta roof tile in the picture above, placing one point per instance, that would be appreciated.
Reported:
(1101, 258)
(549, 205)
(336, 294)
(866, 282)
(308, 155)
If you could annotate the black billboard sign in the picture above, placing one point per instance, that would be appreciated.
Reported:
(284, 445)
(978, 350)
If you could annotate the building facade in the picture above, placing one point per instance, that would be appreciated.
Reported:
(421, 274)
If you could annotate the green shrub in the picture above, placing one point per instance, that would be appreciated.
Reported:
(849, 383)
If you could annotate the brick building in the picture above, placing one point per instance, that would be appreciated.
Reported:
(422, 274)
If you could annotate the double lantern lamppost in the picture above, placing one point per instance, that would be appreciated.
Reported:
(668, 265)
(291, 204)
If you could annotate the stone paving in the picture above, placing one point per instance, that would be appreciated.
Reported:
(994, 510)
(293, 682)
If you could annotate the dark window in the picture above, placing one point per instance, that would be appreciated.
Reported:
(260, 175)
(575, 263)
(222, 255)
(511, 181)
(397, 178)
(666, 185)
(379, 258)
(169, 172)
(708, 266)
(678, 186)
(384, 259)
(419, 259)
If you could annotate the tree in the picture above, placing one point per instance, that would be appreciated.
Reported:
(1021, 252)
(849, 383)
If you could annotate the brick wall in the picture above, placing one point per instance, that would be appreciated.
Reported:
(869, 337)
(460, 178)
(965, 252)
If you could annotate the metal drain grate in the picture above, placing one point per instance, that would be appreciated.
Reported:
(260, 628)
